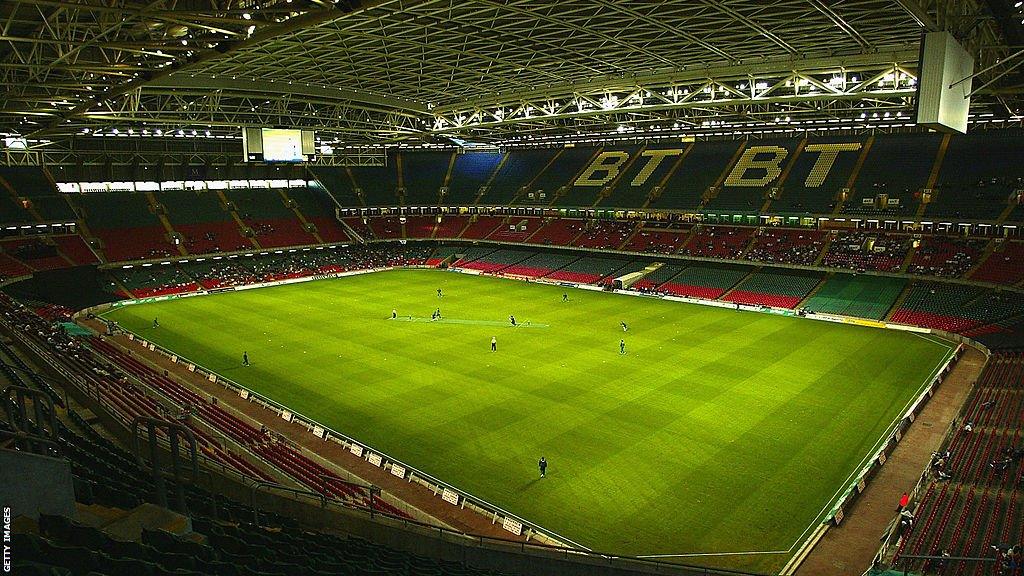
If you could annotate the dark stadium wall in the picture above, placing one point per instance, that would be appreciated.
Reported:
(76, 288)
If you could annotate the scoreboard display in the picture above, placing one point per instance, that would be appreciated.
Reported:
(278, 145)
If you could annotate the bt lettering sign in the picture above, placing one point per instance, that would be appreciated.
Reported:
(757, 167)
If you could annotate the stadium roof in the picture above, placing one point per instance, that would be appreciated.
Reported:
(386, 71)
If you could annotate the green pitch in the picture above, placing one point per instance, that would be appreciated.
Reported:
(717, 432)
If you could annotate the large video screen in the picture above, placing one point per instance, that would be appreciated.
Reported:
(282, 145)
(278, 145)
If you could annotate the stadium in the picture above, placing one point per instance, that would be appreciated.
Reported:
(508, 287)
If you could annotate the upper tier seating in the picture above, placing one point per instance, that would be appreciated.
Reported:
(558, 179)
(856, 295)
(735, 195)
(775, 287)
(469, 174)
(942, 256)
(337, 181)
(1004, 266)
(126, 226)
(718, 241)
(378, 183)
(976, 178)
(787, 246)
(812, 187)
(897, 165)
(980, 172)
(631, 191)
(521, 167)
(423, 175)
(698, 172)
(273, 223)
(707, 281)
(203, 222)
(29, 182)
(318, 208)
(867, 251)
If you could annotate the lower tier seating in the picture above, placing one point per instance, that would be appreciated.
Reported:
(587, 270)
(774, 287)
(957, 308)
(703, 281)
(497, 260)
(856, 295)
(970, 506)
(539, 265)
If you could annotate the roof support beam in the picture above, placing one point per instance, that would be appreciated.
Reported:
(919, 14)
(307, 20)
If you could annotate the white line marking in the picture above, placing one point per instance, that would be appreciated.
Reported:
(753, 553)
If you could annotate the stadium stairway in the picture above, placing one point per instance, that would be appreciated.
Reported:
(243, 229)
(479, 227)
(14, 210)
(306, 224)
(160, 212)
(1004, 264)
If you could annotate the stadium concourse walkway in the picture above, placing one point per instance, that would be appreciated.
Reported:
(415, 495)
(849, 549)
